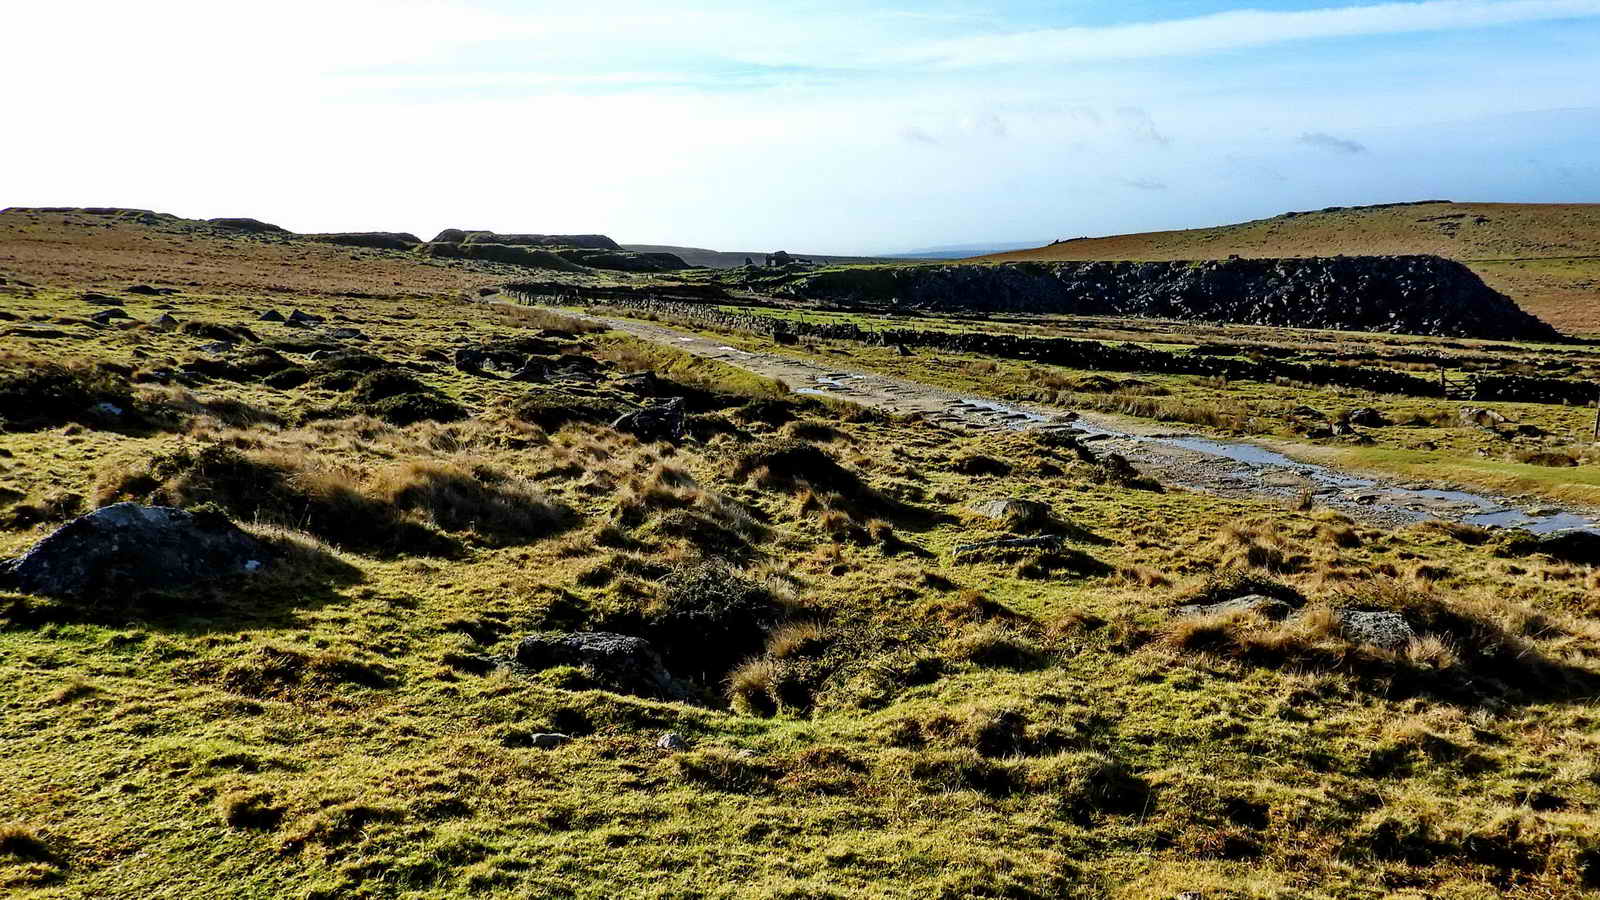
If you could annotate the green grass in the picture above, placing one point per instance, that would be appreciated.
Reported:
(1000, 726)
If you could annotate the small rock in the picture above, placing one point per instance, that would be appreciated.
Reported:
(1016, 512)
(548, 740)
(164, 322)
(1478, 416)
(270, 315)
(661, 422)
(672, 742)
(217, 347)
(620, 662)
(347, 334)
(531, 372)
(304, 318)
(1384, 630)
(106, 316)
(1367, 417)
(1269, 607)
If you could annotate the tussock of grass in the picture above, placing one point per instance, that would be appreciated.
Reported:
(394, 510)
(38, 393)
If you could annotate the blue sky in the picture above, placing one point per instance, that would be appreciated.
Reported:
(821, 127)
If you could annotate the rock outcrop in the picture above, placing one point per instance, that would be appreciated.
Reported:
(584, 241)
(249, 226)
(127, 549)
(1400, 294)
(374, 240)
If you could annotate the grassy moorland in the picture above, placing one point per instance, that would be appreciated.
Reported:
(866, 709)
(1544, 256)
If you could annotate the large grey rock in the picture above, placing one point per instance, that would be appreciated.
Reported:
(1269, 607)
(1384, 630)
(125, 549)
(620, 662)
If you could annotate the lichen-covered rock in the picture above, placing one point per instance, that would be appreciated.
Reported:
(1384, 630)
(620, 662)
(127, 549)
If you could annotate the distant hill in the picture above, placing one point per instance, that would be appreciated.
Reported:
(1544, 256)
(728, 259)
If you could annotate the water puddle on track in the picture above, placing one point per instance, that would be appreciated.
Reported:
(1415, 503)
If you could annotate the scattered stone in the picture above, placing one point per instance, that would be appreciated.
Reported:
(270, 315)
(620, 662)
(164, 322)
(304, 318)
(548, 740)
(105, 410)
(901, 350)
(671, 742)
(660, 422)
(99, 299)
(1269, 607)
(145, 290)
(217, 347)
(1384, 630)
(37, 333)
(127, 548)
(347, 334)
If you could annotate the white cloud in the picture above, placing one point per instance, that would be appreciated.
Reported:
(1324, 141)
(1230, 31)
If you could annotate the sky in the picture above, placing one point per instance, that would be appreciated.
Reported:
(822, 127)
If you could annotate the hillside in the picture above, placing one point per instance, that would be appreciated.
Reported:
(1544, 256)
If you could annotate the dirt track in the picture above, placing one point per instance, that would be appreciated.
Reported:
(1180, 459)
